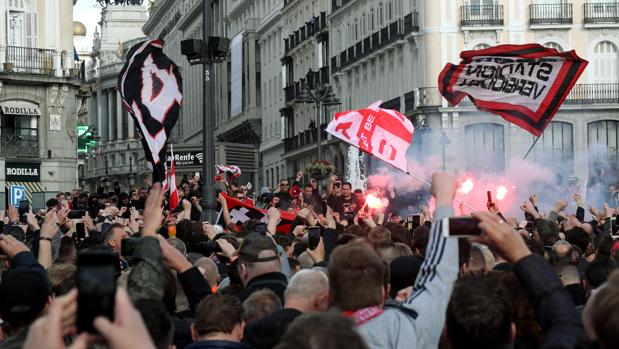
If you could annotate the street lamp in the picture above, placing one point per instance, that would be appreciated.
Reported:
(321, 95)
(444, 142)
(211, 49)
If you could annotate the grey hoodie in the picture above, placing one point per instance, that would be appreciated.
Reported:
(418, 321)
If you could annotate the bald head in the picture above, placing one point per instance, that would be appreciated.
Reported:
(209, 270)
(562, 249)
(307, 291)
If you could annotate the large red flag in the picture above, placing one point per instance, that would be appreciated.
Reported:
(525, 84)
(383, 133)
(241, 212)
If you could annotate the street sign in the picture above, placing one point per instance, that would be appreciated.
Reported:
(18, 193)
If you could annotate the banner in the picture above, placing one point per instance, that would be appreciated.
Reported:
(150, 85)
(525, 84)
(241, 212)
(383, 133)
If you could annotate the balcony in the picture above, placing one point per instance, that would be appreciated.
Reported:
(602, 13)
(607, 93)
(550, 14)
(29, 60)
(481, 16)
(19, 142)
(411, 23)
(337, 4)
(304, 139)
(315, 26)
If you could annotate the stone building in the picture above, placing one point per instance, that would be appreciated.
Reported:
(39, 100)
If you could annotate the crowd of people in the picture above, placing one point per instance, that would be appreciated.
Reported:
(344, 275)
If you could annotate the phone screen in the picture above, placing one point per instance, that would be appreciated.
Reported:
(81, 231)
(96, 284)
(461, 226)
(313, 237)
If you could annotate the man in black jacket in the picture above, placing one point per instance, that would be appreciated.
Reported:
(553, 305)
(260, 266)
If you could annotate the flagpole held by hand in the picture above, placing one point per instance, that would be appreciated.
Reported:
(532, 146)
(429, 184)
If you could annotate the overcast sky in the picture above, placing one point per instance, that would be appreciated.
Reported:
(89, 13)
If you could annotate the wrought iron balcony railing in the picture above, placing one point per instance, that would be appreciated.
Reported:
(597, 12)
(607, 93)
(550, 14)
(19, 142)
(29, 60)
(481, 15)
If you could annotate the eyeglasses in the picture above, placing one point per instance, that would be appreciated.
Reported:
(284, 184)
(243, 189)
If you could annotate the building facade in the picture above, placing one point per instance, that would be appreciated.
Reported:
(39, 100)
(238, 137)
(117, 154)
(394, 50)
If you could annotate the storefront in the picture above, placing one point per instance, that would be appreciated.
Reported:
(23, 182)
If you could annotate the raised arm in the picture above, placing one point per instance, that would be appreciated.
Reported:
(439, 270)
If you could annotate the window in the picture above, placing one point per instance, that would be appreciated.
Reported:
(605, 62)
(553, 45)
(603, 140)
(23, 24)
(477, 7)
(555, 144)
(485, 147)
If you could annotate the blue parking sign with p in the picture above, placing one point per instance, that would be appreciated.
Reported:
(18, 193)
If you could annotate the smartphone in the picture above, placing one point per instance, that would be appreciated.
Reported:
(128, 246)
(96, 284)
(22, 209)
(461, 227)
(413, 221)
(313, 237)
(80, 231)
(337, 184)
(76, 214)
(260, 228)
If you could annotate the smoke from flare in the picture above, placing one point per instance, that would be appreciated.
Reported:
(376, 203)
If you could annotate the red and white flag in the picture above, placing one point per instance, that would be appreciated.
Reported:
(525, 84)
(383, 133)
(172, 183)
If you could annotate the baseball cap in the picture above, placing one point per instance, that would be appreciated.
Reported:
(23, 295)
(255, 243)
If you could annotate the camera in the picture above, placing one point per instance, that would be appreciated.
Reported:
(96, 284)
(207, 248)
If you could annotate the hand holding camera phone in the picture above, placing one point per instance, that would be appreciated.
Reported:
(96, 284)
(461, 227)
(313, 237)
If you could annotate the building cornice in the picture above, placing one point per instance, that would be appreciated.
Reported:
(242, 6)
(154, 17)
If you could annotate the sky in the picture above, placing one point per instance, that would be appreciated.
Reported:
(89, 13)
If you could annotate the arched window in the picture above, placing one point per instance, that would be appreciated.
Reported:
(603, 140)
(605, 62)
(480, 46)
(554, 45)
(485, 147)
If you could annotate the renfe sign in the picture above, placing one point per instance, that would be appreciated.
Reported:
(23, 171)
(186, 158)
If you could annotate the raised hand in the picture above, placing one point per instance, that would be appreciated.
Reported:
(153, 214)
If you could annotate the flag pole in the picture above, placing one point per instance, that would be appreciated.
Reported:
(532, 145)
(429, 185)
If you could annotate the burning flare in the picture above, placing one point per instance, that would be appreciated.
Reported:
(501, 192)
(466, 186)
(376, 203)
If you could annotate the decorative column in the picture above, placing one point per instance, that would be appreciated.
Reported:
(110, 113)
(119, 116)
(130, 126)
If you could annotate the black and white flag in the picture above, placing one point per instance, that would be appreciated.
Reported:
(151, 87)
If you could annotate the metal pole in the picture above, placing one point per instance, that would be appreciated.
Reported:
(444, 157)
(208, 125)
(318, 133)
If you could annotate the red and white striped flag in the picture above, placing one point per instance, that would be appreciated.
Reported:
(383, 133)
(172, 183)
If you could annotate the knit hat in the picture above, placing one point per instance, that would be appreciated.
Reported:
(23, 295)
